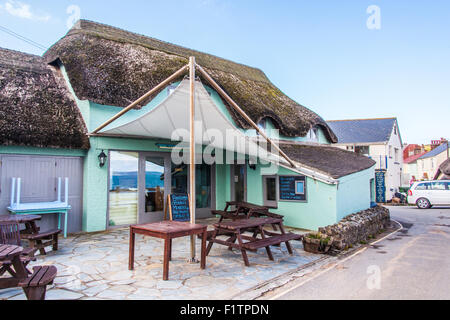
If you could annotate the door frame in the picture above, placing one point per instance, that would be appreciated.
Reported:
(232, 176)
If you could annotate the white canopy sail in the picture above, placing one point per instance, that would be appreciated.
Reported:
(170, 120)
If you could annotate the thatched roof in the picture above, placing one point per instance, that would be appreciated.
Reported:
(111, 66)
(36, 108)
(332, 161)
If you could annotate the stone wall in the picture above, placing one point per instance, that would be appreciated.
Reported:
(358, 227)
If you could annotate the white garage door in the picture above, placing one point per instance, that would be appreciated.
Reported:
(39, 184)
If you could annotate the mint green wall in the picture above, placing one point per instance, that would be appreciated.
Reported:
(318, 211)
(353, 194)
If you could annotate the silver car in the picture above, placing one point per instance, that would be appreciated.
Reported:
(426, 194)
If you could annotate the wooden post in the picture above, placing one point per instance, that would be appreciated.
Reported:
(192, 150)
(242, 113)
(143, 98)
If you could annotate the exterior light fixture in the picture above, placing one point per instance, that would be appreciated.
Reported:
(102, 159)
(252, 166)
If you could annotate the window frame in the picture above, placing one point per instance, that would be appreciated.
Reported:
(270, 203)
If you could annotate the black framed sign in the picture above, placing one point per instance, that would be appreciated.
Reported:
(292, 188)
(179, 207)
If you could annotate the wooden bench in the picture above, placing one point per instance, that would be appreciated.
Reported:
(35, 286)
(272, 241)
(39, 241)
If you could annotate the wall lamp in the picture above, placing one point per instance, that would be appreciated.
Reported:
(102, 159)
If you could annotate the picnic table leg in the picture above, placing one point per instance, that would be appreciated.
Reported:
(19, 268)
(244, 253)
(263, 236)
(170, 250)
(166, 259)
(131, 251)
(203, 257)
(211, 241)
(288, 245)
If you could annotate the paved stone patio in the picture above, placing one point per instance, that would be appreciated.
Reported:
(95, 266)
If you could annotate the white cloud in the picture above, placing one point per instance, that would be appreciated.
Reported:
(24, 11)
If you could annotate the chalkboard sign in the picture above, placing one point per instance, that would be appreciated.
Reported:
(292, 188)
(380, 186)
(179, 207)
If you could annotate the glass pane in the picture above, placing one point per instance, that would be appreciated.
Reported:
(154, 184)
(439, 185)
(239, 183)
(271, 184)
(180, 179)
(203, 186)
(123, 193)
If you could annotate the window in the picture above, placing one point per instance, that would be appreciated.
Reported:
(439, 186)
(270, 191)
(396, 154)
(390, 152)
(424, 186)
(262, 124)
(395, 130)
(300, 187)
(362, 150)
(313, 134)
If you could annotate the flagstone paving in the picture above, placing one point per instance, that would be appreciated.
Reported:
(95, 266)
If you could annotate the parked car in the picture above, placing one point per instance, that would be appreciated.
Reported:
(426, 194)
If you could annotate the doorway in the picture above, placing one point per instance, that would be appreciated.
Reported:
(140, 183)
(238, 182)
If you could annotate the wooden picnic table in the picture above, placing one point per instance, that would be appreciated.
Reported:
(236, 229)
(32, 233)
(244, 210)
(10, 255)
(168, 230)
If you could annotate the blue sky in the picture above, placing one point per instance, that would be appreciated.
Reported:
(320, 53)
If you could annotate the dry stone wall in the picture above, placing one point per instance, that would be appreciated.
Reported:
(358, 227)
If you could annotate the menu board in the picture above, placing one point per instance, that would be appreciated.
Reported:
(179, 207)
(292, 188)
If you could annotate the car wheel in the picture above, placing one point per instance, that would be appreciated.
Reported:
(423, 203)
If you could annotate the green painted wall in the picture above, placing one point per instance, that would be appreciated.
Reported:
(353, 194)
(318, 211)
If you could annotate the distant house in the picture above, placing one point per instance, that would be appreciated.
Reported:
(429, 163)
(380, 140)
(410, 168)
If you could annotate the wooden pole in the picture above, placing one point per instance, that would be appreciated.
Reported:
(242, 113)
(192, 150)
(144, 97)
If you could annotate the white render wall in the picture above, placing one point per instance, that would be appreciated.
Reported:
(378, 152)
(430, 166)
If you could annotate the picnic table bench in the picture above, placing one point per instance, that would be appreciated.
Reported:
(38, 240)
(236, 229)
(35, 286)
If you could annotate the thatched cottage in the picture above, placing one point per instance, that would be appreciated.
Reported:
(50, 106)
